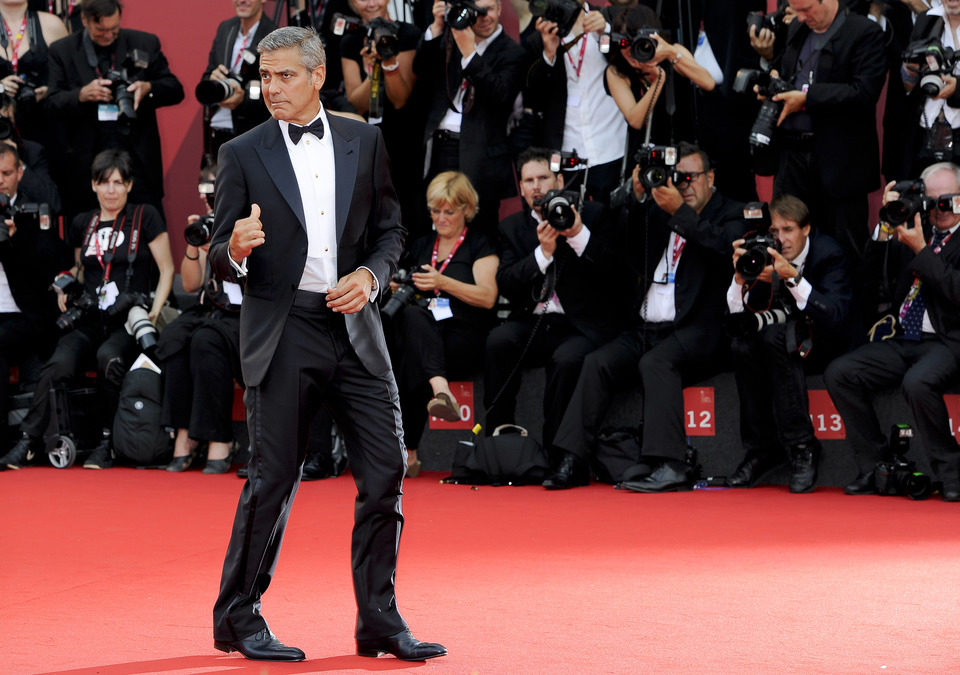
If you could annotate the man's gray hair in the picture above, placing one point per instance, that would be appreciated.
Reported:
(304, 39)
(942, 166)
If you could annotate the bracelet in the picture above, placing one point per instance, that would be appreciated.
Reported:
(679, 56)
(189, 258)
(389, 69)
(886, 229)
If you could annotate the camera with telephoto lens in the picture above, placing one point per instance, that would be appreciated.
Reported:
(933, 61)
(199, 232)
(642, 44)
(564, 13)
(80, 303)
(912, 200)
(761, 134)
(131, 70)
(213, 92)
(23, 214)
(899, 476)
(132, 308)
(557, 207)
(742, 324)
(406, 293)
(384, 35)
(656, 164)
(759, 20)
(462, 14)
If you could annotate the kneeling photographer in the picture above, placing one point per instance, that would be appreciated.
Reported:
(789, 303)
(441, 308)
(199, 352)
(112, 294)
(914, 258)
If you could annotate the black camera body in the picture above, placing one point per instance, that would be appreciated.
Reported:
(345, 23)
(213, 92)
(898, 476)
(80, 303)
(23, 214)
(384, 35)
(557, 207)
(462, 14)
(406, 293)
(29, 83)
(761, 134)
(131, 70)
(933, 60)
(759, 20)
(912, 200)
(564, 13)
(656, 164)
(642, 44)
(750, 265)
(133, 309)
(199, 232)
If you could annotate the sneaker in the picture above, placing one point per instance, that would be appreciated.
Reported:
(22, 453)
(101, 457)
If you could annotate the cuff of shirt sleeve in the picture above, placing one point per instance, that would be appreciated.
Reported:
(542, 260)
(580, 241)
(241, 269)
(465, 61)
(549, 62)
(801, 293)
(734, 297)
(376, 284)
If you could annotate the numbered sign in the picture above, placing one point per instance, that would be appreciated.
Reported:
(463, 392)
(827, 423)
(953, 409)
(698, 402)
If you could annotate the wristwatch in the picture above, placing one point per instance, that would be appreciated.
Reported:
(793, 282)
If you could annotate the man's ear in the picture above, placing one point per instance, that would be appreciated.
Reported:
(560, 181)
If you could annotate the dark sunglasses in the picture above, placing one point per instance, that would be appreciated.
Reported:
(684, 178)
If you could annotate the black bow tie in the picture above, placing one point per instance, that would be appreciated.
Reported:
(296, 131)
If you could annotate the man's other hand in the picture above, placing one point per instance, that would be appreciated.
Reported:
(247, 235)
(97, 91)
(351, 293)
(668, 197)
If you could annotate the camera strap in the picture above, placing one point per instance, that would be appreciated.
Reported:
(14, 40)
(582, 38)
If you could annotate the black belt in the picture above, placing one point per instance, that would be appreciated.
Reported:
(446, 135)
(311, 300)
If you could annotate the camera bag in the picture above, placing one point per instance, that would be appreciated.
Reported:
(508, 457)
(138, 437)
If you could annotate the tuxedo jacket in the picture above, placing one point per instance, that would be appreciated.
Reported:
(255, 168)
(495, 79)
(594, 288)
(704, 270)
(69, 72)
(842, 102)
(250, 112)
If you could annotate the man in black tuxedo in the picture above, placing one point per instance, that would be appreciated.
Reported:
(680, 246)
(84, 102)
(808, 281)
(553, 280)
(829, 154)
(234, 61)
(923, 355)
(467, 81)
(306, 213)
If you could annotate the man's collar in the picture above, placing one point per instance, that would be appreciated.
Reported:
(801, 259)
(485, 42)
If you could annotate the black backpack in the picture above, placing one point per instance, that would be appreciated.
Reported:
(138, 437)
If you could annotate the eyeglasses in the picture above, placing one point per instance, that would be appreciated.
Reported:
(684, 178)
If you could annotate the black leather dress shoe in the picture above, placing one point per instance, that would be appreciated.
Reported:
(668, 477)
(261, 646)
(751, 470)
(803, 467)
(402, 645)
(861, 485)
(570, 473)
(950, 492)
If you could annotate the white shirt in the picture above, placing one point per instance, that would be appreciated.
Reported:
(927, 324)
(223, 117)
(578, 243)
(933, 106)
(7, 304)
(659, 305)
(453, 118)
(800, 292)
(593, 124)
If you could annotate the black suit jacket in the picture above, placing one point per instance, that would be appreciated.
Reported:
(594, 289)
(704, 270)
(255, 168)
(495, 77)
(249, 113)
(842, 102)
(69, 72)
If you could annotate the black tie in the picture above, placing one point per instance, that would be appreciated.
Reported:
(296, 131)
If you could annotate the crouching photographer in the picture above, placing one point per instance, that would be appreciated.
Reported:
(789, 302)
(119, 249)
(916, 262)
(199, 352)
(441, 311)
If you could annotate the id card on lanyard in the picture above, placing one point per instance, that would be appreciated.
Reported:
(440, 307)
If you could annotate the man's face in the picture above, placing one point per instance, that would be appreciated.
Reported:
(290, 91)
(486, 25)
(791, 236)
(699, 190)
(104, 31)
(536, 180)
(817, 14)
(938, 183)
(247, 9)
(11, 172)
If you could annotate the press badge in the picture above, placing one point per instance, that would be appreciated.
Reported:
(108, 112)
(440, 308)
(108, 295)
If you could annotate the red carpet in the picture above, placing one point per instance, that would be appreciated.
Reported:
(115, 572)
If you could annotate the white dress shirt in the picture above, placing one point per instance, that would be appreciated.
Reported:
(452, 119)
(660, 305)
(578, 243)
(7, 304)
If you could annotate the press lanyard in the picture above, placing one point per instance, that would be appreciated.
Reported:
(679, 243)
(15, 45)
(453, 251)
(243, 48)
(111, 248)
(915, 286)
(583, 50)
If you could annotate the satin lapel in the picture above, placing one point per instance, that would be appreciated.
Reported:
(345, 159)
(273, 154)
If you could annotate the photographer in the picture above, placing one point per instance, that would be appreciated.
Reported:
(831, 70)
(921, 350)
(106, 84)
(118, 247)
(199, 352)
(789, 305)
(567, 288)
(679, 243)
(439, 331)
(31, 252)
(235, 106)
(468, 76)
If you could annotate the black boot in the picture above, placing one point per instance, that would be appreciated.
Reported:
(22, 453)
(804, 458)
(570, 472)
(102, 455)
